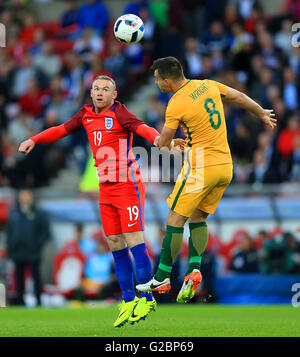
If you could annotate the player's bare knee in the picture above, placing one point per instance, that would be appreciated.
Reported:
(134, 238)
(116, 242)
(175, 219)
(198, 216)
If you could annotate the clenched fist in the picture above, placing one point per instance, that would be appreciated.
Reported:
(26, 146)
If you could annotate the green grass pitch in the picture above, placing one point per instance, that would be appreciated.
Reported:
(190, 320)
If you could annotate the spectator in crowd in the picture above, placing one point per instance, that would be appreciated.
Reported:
(155, 114)
(88, 44)
(241, 59)
(290, 89)
(56, 86)
(260, 239)
(245, 258)
(292, 265)
(72, 76)
(27, 33)
(193, 13)
(135, 60)
(93, 14)
(192, 61)
(152, 36)
(85, 244)
(64, 107)
(260, 88)
(70, 14)
(236, 38)
(215, 37)
(27, 232)
(253, 20)
(242, 143)
(116, 63)
(294, 60)
(96, 68)
(37, 46)
(259, 171)
(48, 62)
(231, 15)
(33, 99)
(6, 81)
(7, 19)
(207, 68)
(97, 270)
(172, 43)
(273, 255)
(293, 8)
(295, 170)
(286, 145)
(270, 53)
(21, 127)
(283, 37)
(135, 6)
(22, 74)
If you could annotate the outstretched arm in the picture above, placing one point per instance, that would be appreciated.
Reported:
(245, 102)
(134, 124)
(166, 137)
(47, 136)
(54, 133)
(147, 132)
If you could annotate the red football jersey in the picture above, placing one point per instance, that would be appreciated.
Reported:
(110, 136)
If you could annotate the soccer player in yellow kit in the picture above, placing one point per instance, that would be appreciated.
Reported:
(207, 171)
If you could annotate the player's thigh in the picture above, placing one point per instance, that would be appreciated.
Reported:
(175, 219)
(116, 242)
(198, 216)
(131, 208)
(134, 238)
(211, 200)
(188, 192)
(110, 220)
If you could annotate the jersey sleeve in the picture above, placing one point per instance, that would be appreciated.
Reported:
(147, 132)
(127, 119)
(50, 135)
(75, 123)
(172, 117)
(222, 87)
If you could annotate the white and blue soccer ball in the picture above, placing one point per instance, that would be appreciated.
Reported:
(129, 29)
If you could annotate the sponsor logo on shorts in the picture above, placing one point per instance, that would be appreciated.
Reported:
(131, 224)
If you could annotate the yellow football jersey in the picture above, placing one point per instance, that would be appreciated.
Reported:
(198, 108)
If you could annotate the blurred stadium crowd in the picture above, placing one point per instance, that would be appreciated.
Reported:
(47, 68)
(82, 269)
(272, 252)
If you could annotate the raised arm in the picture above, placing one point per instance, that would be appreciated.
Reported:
(236, 97)
(134, 124)
(166, 138)
(47, 136)
(53, 134)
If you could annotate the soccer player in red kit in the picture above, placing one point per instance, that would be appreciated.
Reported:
(110, 127)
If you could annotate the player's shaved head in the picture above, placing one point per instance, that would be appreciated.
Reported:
(168, 67)
(103, 93)
(106, 78)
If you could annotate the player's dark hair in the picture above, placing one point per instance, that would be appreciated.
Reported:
(168, 67)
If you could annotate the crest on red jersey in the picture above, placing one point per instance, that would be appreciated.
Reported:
(109, 122)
